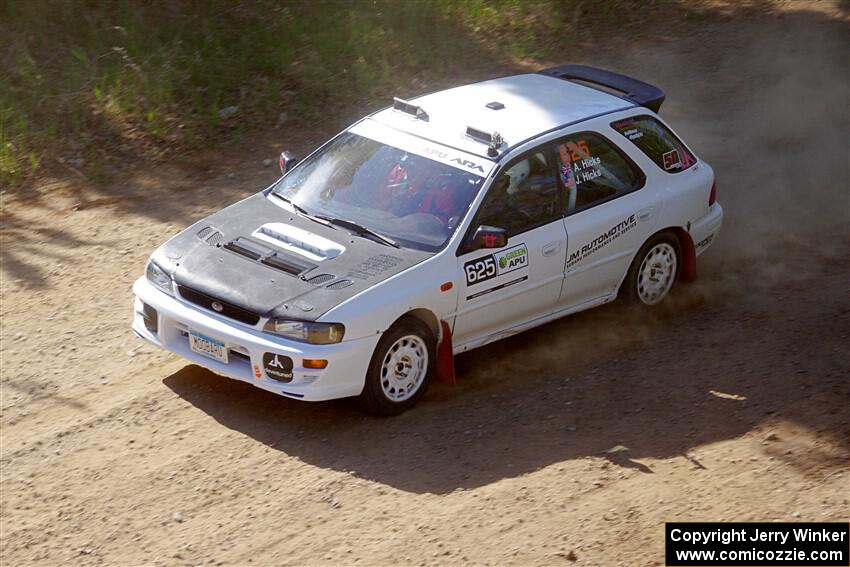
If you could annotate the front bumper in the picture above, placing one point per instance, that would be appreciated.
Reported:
(344, 375)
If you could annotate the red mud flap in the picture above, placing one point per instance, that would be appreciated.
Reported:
(689, 257)
(445, 357)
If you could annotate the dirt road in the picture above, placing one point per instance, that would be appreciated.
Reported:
(568, 445)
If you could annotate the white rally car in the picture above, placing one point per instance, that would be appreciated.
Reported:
(433, 227)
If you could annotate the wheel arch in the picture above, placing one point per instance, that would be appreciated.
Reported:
(688, 270)
(442, 334)
(426, 316)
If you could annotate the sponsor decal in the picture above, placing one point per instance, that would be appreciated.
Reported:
(601, 241)
(633, 134)
(672, 159)
(468, 164)
(497, 288)
(705, 241)
(438, 153)
(443, 155)
(494, 265)
(435, 152)
(278, 366)
(257, 372)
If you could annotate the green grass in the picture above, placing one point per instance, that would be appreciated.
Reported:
(92, 81)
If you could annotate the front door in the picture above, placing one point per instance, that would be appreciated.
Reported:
(505, 287)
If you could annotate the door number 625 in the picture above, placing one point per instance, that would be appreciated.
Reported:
(480, 270)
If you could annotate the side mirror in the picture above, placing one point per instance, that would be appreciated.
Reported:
(287, 161)
(489, 237)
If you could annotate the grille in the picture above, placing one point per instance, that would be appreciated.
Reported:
(321, 279)
(228, 309)
(204, 232)
(339, 284)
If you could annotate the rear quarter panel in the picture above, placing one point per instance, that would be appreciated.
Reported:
(680, 199)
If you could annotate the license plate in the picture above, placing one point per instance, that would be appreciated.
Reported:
(207, 346)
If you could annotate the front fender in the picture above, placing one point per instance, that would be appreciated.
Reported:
(374, 310)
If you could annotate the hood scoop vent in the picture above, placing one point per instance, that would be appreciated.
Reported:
(340, 284)
(248, 248)
(210, 235)
(298, 241)
(286, 263)
(279, 260)
(320, 279)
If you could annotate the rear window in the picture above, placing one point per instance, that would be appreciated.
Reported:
(657, 142)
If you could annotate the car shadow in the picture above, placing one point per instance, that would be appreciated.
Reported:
(618, 387)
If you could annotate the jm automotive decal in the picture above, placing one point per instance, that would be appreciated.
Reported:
(489, 267)
(602, 240)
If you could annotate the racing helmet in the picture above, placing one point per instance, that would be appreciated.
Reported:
(517, 174)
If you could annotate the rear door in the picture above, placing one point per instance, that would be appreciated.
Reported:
(502, 288)
(608, 216)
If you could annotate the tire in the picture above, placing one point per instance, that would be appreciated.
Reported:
(400, 369)
(654, 270)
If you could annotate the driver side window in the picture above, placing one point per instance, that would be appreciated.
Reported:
(524, 196)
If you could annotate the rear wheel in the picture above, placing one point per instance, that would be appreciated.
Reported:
(400, 369)
(654, 270)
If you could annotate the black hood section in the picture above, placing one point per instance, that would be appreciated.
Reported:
(219, 258)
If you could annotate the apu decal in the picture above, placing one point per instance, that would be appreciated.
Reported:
(435, 152)
(488, 267)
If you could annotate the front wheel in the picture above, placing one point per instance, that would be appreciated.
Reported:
(654, 270)
(400, 369)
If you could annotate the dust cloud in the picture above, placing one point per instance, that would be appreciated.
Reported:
(769, 109)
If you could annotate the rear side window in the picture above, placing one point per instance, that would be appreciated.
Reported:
(657, 142)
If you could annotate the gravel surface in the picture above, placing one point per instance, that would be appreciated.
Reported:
(568, 445)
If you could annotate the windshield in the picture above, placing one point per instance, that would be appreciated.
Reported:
(416, 201)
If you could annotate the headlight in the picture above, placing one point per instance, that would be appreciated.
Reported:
(159, 278)
(313, 333)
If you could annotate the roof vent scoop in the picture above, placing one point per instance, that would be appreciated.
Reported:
(493, 139)
(407, 107)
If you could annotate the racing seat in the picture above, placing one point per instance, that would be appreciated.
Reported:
(398, 192)
(444, 198)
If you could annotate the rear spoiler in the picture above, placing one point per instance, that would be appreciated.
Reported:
(636, 91)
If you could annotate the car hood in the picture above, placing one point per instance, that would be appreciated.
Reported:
(260, 257)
